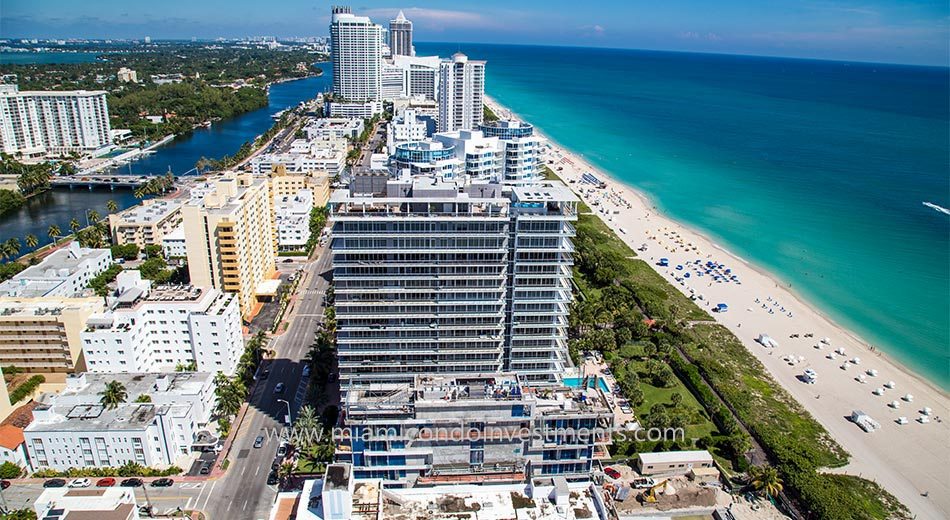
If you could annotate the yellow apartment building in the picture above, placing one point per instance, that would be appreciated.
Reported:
(41, 335)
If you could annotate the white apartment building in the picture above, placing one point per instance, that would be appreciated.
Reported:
(405, 128)
(330, 127)
(73, 429)
(156, 329)
(421, 75)
(173, 244)
(147, 223)
(292, 218)
(439, 275)
(64, 273)
(519, 150)
(461, 93)
(356, 52)
(400, 36)
(329, 161)
(36, 123)
(479, 154)
(393, 82)
(353, 109)
(127, 75)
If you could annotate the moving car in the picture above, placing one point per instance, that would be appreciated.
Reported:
(131, 482)
(105, 482)
(612, 473)
(54, 483)
(162, 482)
(259, 441)
(80, 483)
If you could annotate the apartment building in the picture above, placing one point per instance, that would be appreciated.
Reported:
(479, 154)
(400, 36)
(292, 220)
(356, 53)
(42, 335)
(337, 127)
(288, 184)
(73, 429)
(229, 236)
(156, 329)
(438, 275)
(406, 128)
(36, 123)
(421, 158)
(65, 503)
(63, 273)
(473, 429)
(145, 224)
(421, 75)
(519, 151)
(461, 93)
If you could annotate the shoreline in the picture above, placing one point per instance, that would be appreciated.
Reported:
(907, 473)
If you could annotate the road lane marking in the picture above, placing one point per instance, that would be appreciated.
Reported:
(208, 496)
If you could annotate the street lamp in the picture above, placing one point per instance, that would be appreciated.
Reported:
(289, 418)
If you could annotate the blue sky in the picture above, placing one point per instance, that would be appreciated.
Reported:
(898, 31)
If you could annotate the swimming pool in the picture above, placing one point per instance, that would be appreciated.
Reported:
(575, 382)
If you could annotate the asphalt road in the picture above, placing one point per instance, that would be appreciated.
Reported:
(242, 492)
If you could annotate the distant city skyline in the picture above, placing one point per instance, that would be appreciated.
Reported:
(870, 30)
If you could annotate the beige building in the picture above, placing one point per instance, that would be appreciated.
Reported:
(229, 236)
(284, 184)
(41, 335)
(145, 224)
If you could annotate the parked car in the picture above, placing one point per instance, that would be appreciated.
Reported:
(105, 482)
(4, 484)
(54, 483)
(272, 478)
(612, 473)
(162, 482)
(205, 468)
(80, 483)
(279, 389)
(643, 483)
(265, 374)
(131, 482)
(306, 370)
(259, 441)
(282, 449)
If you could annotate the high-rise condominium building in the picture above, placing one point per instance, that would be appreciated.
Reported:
(229, 236)
(441, 275)
(145, 224)
(519, 151)
(421, 75)
(461, 93)
(35, 123)
(400, 36)
(356, 53)
(42, 335)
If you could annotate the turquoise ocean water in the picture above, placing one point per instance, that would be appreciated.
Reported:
(814, 170)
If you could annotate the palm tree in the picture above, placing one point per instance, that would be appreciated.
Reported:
(74, 225)
(765, 479)
(285, 470)
(12, 246)
(139, 192)
(53, 232)
(113, 394)
(31, 241)
(93, 216)
(305, 426)
(112, 206)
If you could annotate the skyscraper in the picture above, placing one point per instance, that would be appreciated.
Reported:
(34, 123)
(400, 36)
(356, 53)
(461, 93)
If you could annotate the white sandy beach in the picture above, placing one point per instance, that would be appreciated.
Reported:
(909, 460)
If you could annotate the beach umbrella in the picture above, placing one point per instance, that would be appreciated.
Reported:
(826, 340)
(890, 384)
(909, 398)
(895, 404)
(871, 372)
(878, 391)
(902, 420)
(926, 410)
(856, 360)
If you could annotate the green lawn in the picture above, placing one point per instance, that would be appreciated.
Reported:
(655, 395)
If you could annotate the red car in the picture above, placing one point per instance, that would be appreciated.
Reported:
(4, 484)
(105, 482)
(612, 473)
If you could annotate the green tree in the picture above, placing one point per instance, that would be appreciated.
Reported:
(74, 224)
(285, 470)
(676, 398)
(143, 398)
(112, 206)
(113, 394)
(31, 241)
(10, 470)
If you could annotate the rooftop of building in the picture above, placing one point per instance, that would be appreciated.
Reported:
(335, 123)
(10, 90)
(226, 192)
(86, 417)
(42, 278)
(177, 234)
(149, 211)
(44, 307)
(668, 457)
(92, 383)
(11, 437)
(544, 191)
(86, 504)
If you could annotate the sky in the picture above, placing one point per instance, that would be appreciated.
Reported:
(892, 31)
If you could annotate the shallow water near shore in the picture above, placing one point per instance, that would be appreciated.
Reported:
(817, 171)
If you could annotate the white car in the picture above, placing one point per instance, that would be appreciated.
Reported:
(80, 483)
